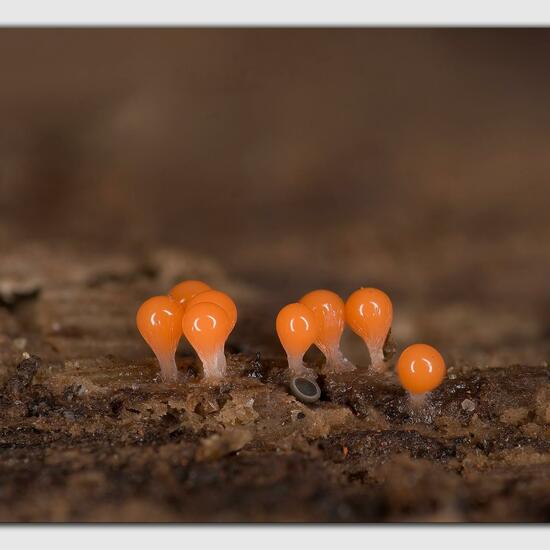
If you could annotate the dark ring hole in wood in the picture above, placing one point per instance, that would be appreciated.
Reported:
(306, 387)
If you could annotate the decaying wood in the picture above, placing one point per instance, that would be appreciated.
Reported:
(88, 433)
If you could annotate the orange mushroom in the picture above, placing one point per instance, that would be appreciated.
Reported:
(159, 322)
(207, 327)
(297, 330)
(369, 313)
(421, 369)
(328, 309)
(219, 298)
(184, 291)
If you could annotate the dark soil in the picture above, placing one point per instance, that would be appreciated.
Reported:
(88, 433)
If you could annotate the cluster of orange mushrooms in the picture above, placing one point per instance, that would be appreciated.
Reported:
(320, 317)
(206, 317)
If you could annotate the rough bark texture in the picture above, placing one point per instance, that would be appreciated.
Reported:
(88, 433)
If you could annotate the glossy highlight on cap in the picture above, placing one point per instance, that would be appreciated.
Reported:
(297, 329)
(328, 309)
(159, 321)
(369, 313)
(184, 291)
(207, 326)
(421, 368)
(220, 299)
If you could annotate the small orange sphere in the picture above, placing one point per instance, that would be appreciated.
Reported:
(421, 368)
(220, 299)
(369, 313)
(184, 291)
(328, 309)
(206, 326)
(159, 322)
(297, 329)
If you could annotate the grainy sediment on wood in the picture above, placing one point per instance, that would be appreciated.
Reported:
(87, 432)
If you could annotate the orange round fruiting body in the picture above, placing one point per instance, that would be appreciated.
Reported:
(328, 309)
(297, 329)
(222, 300)
(421, 368)
(184, 291)
(206, 326)
(159, 322)
(369, 313)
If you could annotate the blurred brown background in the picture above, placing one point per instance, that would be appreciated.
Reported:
(416, 160)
